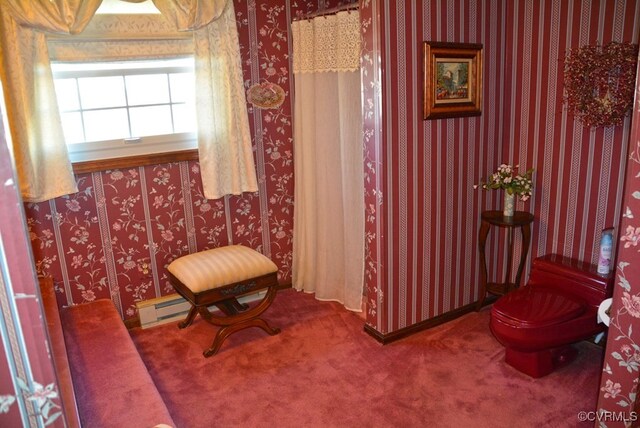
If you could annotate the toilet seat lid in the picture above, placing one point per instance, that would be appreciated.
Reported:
(537, 306)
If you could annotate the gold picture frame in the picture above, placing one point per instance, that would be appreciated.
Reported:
(452, 80)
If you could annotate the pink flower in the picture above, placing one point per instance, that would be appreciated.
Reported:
(632, 237)
(129, 264)
(89, 295)
(73, 205)
(631, 304)
(116, 226)
(275, 155)
(205, 207)
(167, 235)
(157, 201)
(117, 175)
(77, 261)
(270, 71)
(611, 389)
(281, 234)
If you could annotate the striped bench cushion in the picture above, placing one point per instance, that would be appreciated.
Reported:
(221, 266)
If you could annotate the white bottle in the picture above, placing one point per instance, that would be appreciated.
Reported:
(606, 246)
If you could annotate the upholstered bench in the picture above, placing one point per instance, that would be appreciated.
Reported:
(218, 277)
(103, 381)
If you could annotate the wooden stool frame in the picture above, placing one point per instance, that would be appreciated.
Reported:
(238, 316)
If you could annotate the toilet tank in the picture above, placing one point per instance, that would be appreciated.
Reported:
(571, 276)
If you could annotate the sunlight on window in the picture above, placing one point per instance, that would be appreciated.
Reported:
(182, 85)
(154, 120)
(147, 89)
(72, 127)
(184, 117)
(97, 92)
(106, 124)
(102, 104)
(69, 88)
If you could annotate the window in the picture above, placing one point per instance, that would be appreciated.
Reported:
(113, 109)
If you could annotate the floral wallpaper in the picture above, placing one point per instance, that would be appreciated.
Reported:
(372, 143)
(619, 383)
(115, 237)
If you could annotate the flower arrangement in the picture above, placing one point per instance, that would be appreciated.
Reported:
(599, 82)
(508, 178)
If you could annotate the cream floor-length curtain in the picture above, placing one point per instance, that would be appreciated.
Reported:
(328, 246)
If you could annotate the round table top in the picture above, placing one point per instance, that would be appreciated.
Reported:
(520, 218)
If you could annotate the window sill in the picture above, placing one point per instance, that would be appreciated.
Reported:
(134, 161)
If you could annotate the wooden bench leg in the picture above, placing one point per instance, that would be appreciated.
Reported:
(190, 317)
(231, 306)
(225, 331)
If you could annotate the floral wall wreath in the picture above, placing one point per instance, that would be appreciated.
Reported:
(599, 82)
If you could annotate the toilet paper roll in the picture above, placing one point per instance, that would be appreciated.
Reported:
(602, 312)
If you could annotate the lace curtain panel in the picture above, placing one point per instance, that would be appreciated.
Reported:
(328, 247)
(330, 43)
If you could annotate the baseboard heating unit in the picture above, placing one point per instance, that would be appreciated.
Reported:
(172, 307)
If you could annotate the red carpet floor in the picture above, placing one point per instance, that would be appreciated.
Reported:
(322, 370)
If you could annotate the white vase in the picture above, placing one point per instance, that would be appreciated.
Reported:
(509, 204)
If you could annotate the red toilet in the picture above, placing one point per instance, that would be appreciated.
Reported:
(558, 306)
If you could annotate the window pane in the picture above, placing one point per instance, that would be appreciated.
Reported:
(150, 121)
(147, 89)
(184, 118)
(182, 87)
(106, 124)
(98, 92)
(67, 94)
(72, 127)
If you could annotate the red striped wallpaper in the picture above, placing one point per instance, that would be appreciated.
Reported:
(422, 229)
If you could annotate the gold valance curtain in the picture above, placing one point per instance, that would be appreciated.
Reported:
(38, 144)
(121, 37)
(191, 14)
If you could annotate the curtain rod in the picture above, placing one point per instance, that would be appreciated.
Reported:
(327, 12)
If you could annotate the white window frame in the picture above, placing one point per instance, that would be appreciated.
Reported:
(109, 149)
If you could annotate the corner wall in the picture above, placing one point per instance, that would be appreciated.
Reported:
(619, 382)
(422, 238)
(427, 217)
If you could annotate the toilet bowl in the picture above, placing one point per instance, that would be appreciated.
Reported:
(557, 307)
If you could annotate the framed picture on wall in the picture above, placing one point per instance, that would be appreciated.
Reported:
(452, 80)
